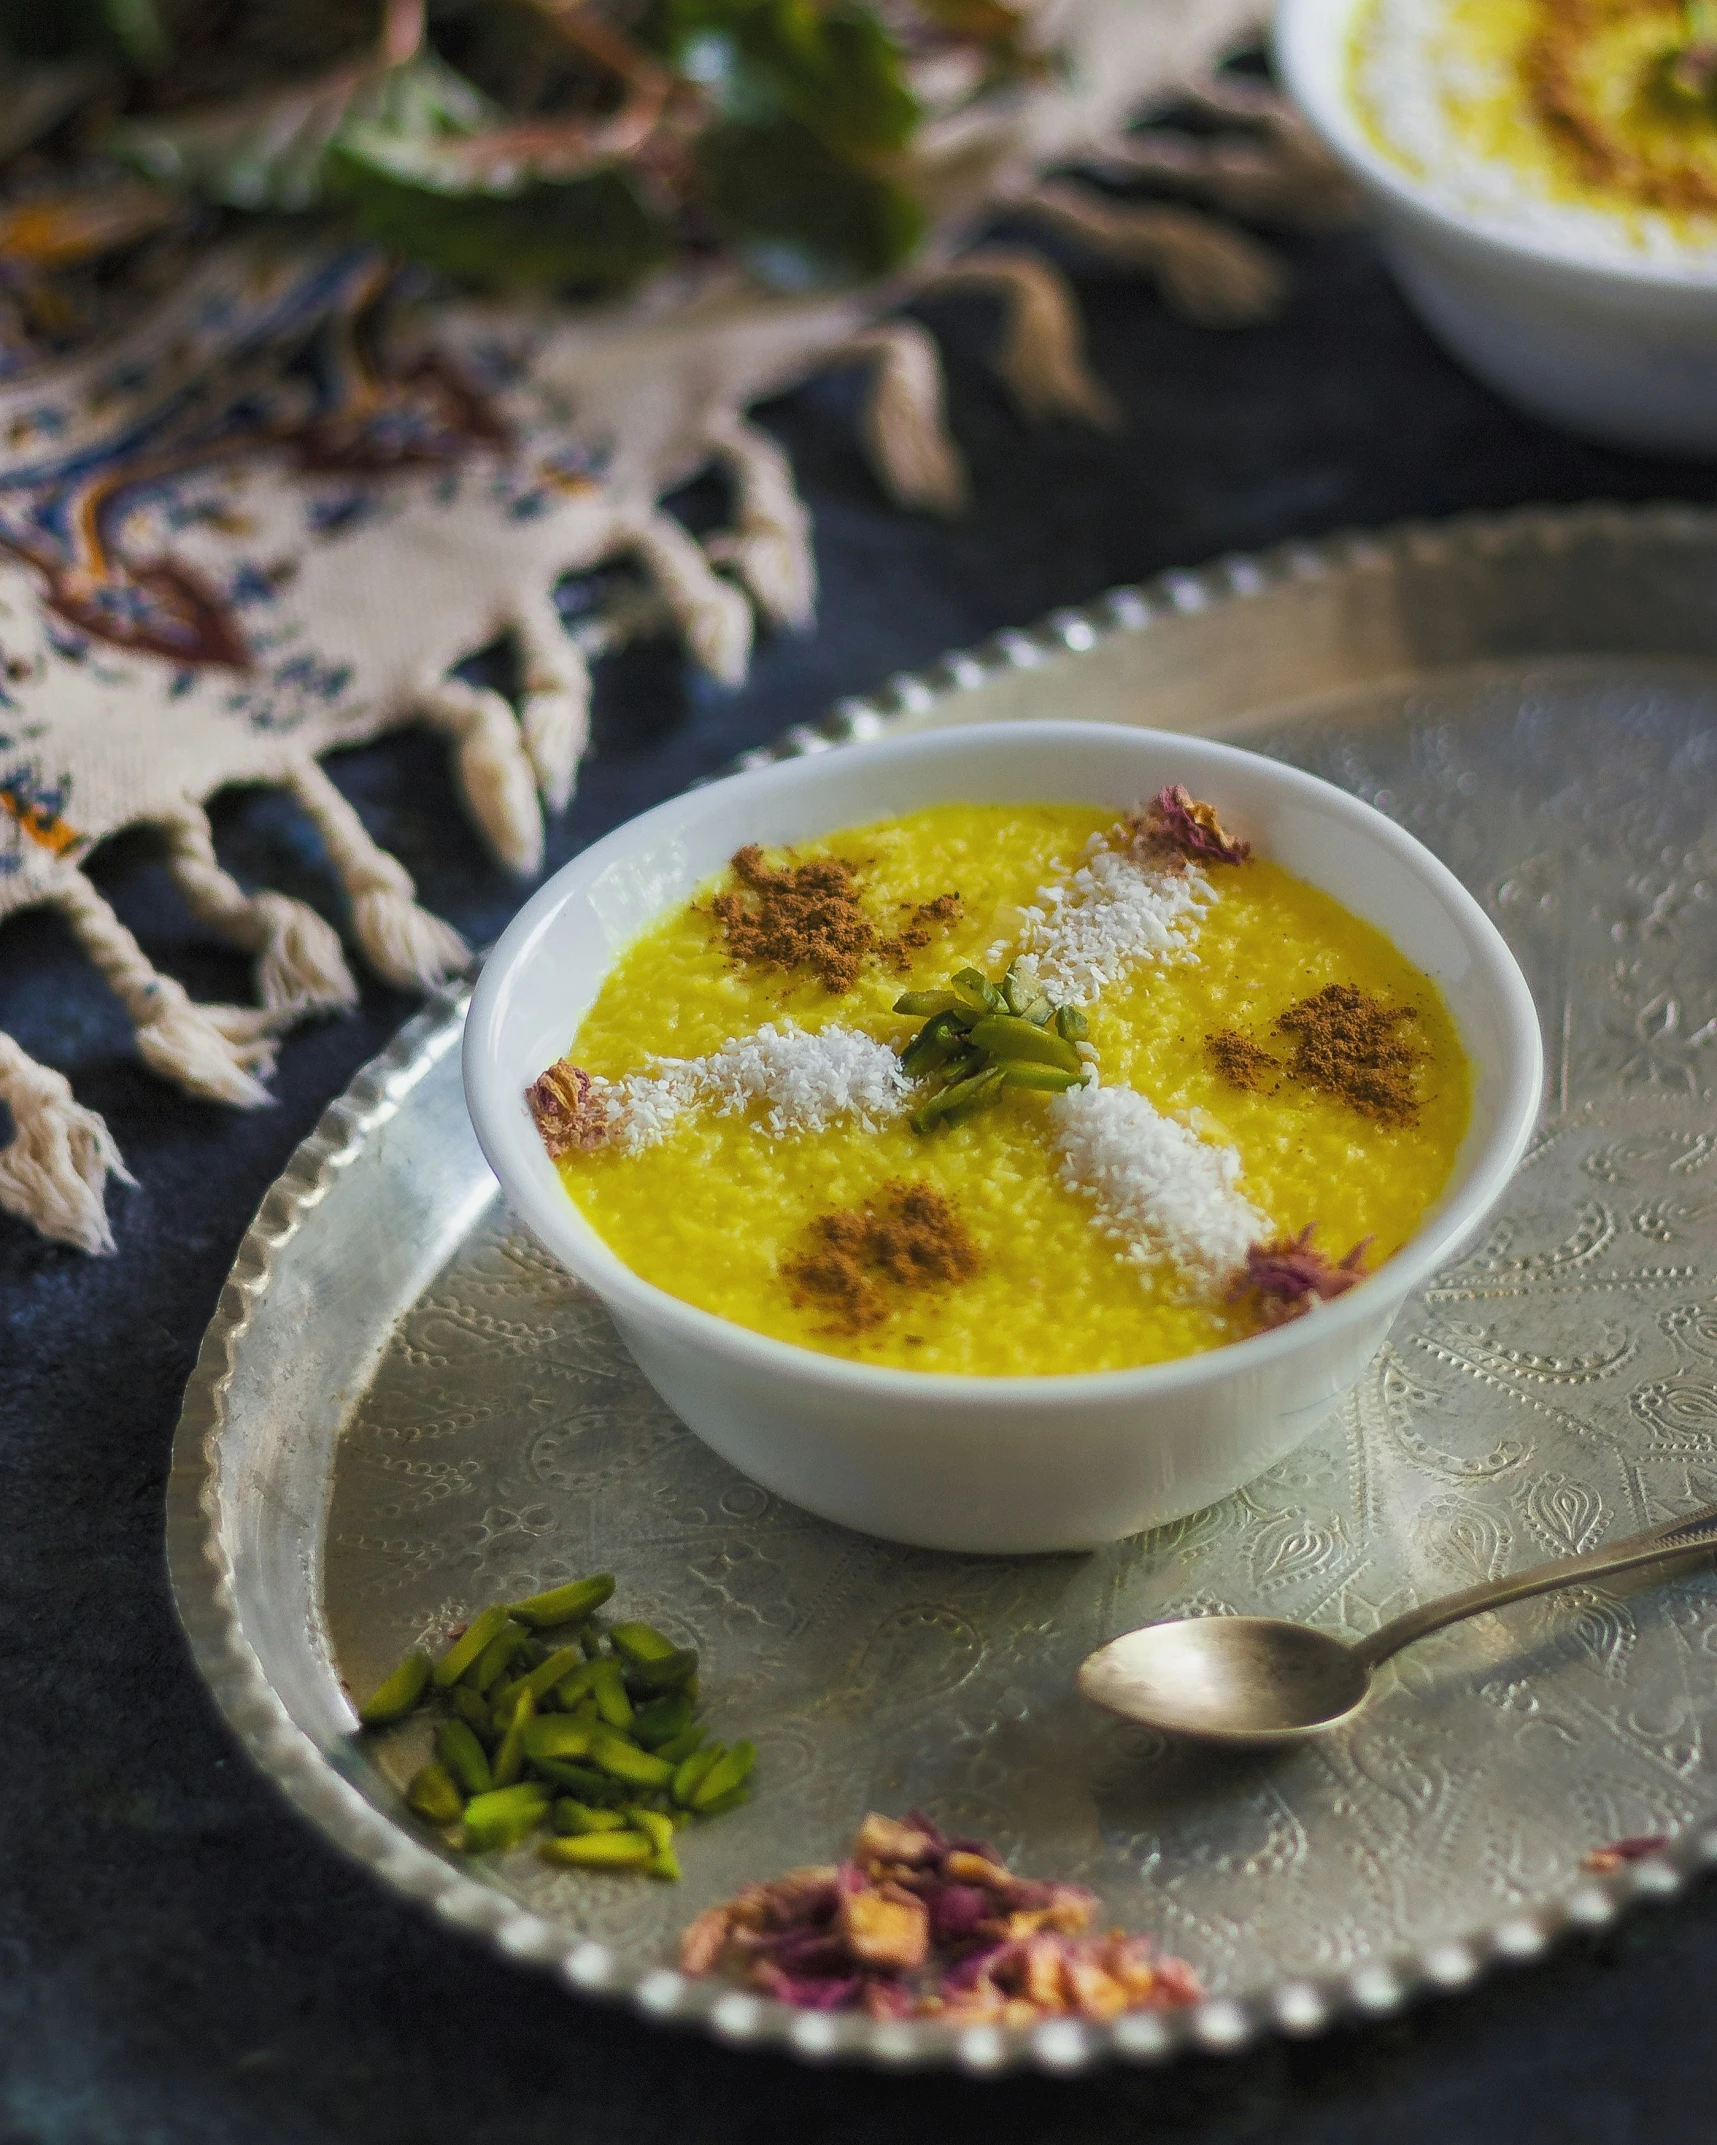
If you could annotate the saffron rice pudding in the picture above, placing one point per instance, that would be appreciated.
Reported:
(1009, 1090)
(1589, 124)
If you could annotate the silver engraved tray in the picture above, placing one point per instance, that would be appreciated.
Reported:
(404, 1411)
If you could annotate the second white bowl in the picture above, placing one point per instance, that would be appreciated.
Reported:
(1622, 351)
(998, 1464)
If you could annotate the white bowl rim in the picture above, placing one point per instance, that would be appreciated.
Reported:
(1294, 40)
(504, 1129)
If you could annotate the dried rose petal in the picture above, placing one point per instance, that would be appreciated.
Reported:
(571, 1110)
(703, 1941)
(981, 1848)
(1181, 823)
(1176, 1984)
(886, 1932)
(1067, 1907)
(1290, 1276)
(807, 1951)
(920, 1925)
(1602, 1860)
(805, 1993)
(956, 1911)
(886, 1839)
(887, 1999)
(1041, 1981)
(1091, 1989)
(977, 1968)
(962, 1867)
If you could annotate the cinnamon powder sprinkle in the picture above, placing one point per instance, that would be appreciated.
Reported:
(921, 926)
(796, 916)
(910, 1238)
(1345, 1043)
(1239, 1060)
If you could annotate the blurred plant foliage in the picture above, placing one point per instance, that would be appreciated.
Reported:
(568, 145)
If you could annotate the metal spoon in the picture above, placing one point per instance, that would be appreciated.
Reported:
(1255, 1679)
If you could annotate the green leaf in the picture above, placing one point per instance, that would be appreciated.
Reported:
(834, 69)
(271, 152)
(803, 214)
(591, 233)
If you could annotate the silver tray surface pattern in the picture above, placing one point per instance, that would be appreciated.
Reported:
(403, 1410)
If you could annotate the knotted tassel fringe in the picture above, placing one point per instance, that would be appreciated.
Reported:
(905, 430)
(1042, 358)
(300, 967)
(1215, 277)
(554, 709)
(214, 1051)
(770, 543)
(1293, 179)
(403, 943)
(492, 768)
(54, 1172)
(219, 1052)
(715, 619)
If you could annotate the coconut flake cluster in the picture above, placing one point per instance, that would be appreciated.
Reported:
(801, 1082)
(918, 1924)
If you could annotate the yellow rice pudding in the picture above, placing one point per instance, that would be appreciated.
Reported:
(1589, 123)
(716, 1208)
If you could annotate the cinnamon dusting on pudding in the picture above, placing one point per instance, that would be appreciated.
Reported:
(1345, 1044)
(796, 916)
(910, 1238)
(1239, 1060)
(922, 922)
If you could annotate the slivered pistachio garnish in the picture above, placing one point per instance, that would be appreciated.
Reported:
(982, 1038)
(605, 1721)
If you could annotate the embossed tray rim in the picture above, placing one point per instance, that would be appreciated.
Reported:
(201, 1565)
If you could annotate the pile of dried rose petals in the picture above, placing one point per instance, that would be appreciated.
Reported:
(1185, 827)
(918, 1925)
(1291, 1276)
(571, 1111)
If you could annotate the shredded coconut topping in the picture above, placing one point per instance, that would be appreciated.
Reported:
(1159, 1189)
(807, 1081)
(1122, 906)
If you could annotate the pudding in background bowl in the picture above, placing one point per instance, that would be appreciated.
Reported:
(960, 1460)
(1544, 178)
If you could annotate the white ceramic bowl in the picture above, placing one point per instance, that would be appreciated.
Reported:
(1622, 351)
(1001, 1464)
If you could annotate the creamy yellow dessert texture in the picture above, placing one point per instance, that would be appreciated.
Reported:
(1591, 121)
(717, 1209)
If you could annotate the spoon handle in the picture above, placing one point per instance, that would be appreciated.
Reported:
(1676, 1538)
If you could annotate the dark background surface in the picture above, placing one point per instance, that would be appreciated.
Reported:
(180, 1957)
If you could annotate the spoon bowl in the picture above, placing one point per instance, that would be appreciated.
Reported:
(1257, 1680)
(1229, 1679)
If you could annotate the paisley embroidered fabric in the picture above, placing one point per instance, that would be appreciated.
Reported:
(237, 534)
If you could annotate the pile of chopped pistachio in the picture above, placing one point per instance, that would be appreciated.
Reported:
(548, 1717)
(982, 1038)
